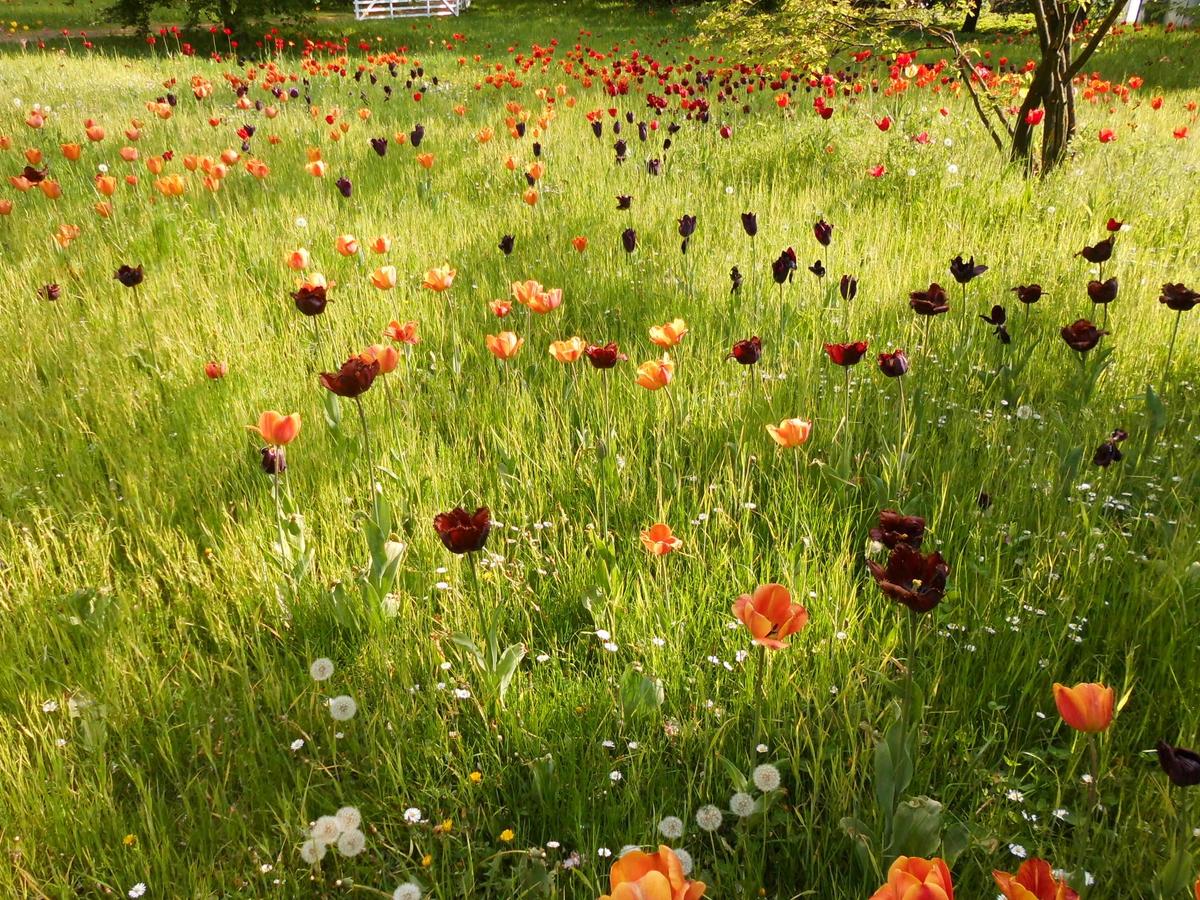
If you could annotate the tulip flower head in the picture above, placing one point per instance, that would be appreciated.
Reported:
(638, 875)
(846, 355)
(1034, 881)
(790, 432)
(312, 295)
(895, 529)
(402, 333)
(277, 429)
(659, 540)
(893, 364)
(567, 351)
(746, 352)
(353, 379)
(461, 531)
(770, 615)
(1081, 335)
(913, 878)
(215, 370)
(440, 278)
(912, 578)
(604, 357)
(384, 278)
(504, 345)
(930, 302)
(656, 374)
(1182, 766)
(1087, 707)
(669, 333)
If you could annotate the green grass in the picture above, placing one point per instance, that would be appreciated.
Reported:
(140, 593)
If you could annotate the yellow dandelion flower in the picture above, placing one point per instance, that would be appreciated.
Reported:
(129, 840)
(507, 835)
(475, 777)
(427, 860)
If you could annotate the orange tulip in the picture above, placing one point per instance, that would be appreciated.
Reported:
(94, 133)
(381, 244)
(230, 156)
(216, 370)
(402, 334)
(316, 168)
(546, 301)
(211, 183)
(426, 160)
(33, 156)
(103, 209)
(129, 154)
(568, 351)
(6, 207)
(485, 134)
(504, 345)
(155, 165)
(384, 278)
(651, 876)
(385, 354)
(347, 245)
(659, 541)
(52, 189)
(656, 374)
(298, 259)
(912, 878)
(668, 334)
(35, 120)
(258, 168)
(770, 615)
(313, 154)
(500, 307)
(524, 292)
(530, 196)
(1034, 881)
(106, 185)
(510, 164)
(790, 432)
(537, 170)
(1087, 707)
(579, 242)
(191, 162)
(20, 182)
(276, 428)
(440, 278)
(71, 151)
(170, 186)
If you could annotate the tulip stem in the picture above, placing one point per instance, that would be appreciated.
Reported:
(1170, 351)
(759, 699)
(284, 556)
(362, 417)
(137, 301)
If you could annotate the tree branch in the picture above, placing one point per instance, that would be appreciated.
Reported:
(1101, 31)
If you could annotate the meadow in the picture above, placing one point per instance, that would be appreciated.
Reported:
(244, 662)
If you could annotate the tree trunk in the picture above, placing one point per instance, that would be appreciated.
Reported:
(971, 22)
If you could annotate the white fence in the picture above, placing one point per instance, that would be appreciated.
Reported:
(399, 9)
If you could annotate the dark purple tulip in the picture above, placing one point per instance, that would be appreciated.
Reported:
(895, 529)
(1081, 335)
(343, 185)
(51, 291)
(1110, 451)
(1099, 252)
(621, 149)
(130, 276)
(783, 267)
(1179, 297)
(311, 299)
(629, 240)
(1182, 766)
(893, 364)
(643, 130)
(506, 244)
(1102, 291)
(965, 271)
(654, 167)
(746, 352)
(997, 320)
(604, 357)
(34, 176)
(823, 232)
(735, 276)
(274, 462)
(379, 145)
(750, 223)
(417, 135)
(598, 128)
(930, 302)
(537, 148)
(912, 578)
(624, 201)
(848, 287)
(818, 269)
(1029, 293)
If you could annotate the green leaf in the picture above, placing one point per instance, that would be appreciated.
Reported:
(1176, 875)
(640, 694)
(333, 411)
(917, 827)
(1156, 410)
(507, 668)
(955, 842)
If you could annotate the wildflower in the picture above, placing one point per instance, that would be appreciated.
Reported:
(321, 669)
(342, 708)
(348, 817)
(412, 815)
(507, 835)
(326, 830)
(410, 890)
(709, 818)
(765, 777)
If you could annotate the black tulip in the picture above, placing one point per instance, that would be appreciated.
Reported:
(506, 244)
(343, 185)
(629, 240)
(624, 201)
(1029, 293)
(848, 287)
(1182, 766)
(965, 271)
(129, 276)
(735, 277)
(750, 223)
(417, 135)
(379, 145)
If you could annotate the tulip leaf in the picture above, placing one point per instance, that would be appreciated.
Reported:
(1156, 409)
(333, 411)
(506, 668)
(955, 842)
(640, 694)
(1176, 875)
(916, 828)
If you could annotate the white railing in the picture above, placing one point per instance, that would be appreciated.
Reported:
(396, 9)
